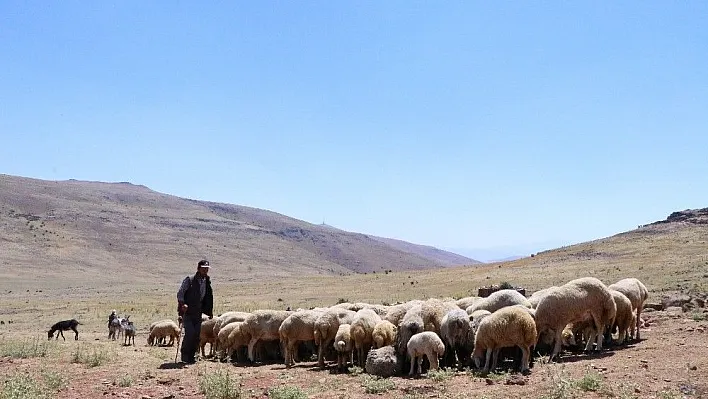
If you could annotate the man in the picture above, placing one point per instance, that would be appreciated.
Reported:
(194, 298)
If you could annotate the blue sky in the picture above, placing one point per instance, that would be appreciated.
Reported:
(507, 127)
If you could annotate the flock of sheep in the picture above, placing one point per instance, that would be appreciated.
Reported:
(464, 332)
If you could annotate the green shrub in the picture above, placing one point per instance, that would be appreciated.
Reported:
(97, 357)
(373, 384)
(219, 385)
(591, 382)
(440, 375)
(355, 370)
(506, 286)
(54, 381)
(124, 381)
(286, 392)
(24, 349)
(22, 386)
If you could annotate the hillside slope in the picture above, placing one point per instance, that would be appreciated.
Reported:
(57, 231)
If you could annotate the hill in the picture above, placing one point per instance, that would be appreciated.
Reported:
(59, 231)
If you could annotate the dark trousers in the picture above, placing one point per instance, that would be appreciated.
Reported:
(190, 342)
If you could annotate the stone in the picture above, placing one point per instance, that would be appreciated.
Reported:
(675, 300)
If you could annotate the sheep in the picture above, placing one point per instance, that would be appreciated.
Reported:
(384, 334)
(299, 326)
(498, 300)
(570, 303)
(206, 336)
(466, 302)
(536, 296)
(235, 339)
(476, 317)
(355, 307)
(223, 337)
(637, 293)
(455, 333)
(509, 326)
(362, 328)
(426, 343)
(624, 316)
(223, 320)
(162, 329)
(424, 317)
(395, 313)
(263, 325)
(326, 327)
(344, 346)
(62, 326)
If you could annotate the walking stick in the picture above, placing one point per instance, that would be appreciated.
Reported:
(179, 337)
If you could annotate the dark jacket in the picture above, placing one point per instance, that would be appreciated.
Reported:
(195, 306)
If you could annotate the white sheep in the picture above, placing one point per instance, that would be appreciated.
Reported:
(498, 300)
(426, 343)
(637, 294)
(223, 320)
(384, 334)
(344, 346)
(507, 327)
(362, 329)
(466, 302)
(570, 303)
(263, 325)
(236, 339)
(395, 313)
(222, 338)
(206, 336)
(161, 330)
(536, 296)
(326, 327)
(624, 316)
(299, 326)
(455, 333)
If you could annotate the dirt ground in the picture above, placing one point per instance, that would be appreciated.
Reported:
(671, 361)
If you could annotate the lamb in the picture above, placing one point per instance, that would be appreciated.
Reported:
(476, 317)
(570, 303)
(299, 326)
(536, 296)
(624, 316)
(395, 313)
(344, 345)
(466, 302)
(326, 327)
(224, 319)
(455, 333)
(236, 339)
(637, 293)
(509, 326)
(384, 334)
(362, 329)
(162, 329)
(263, 325)
(223, 337)
(206, 336)
(426, 343)
(62, 326)
(498, 300)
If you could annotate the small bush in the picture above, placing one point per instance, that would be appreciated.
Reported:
(95, 358)
(342, 300)
(124, 381)
(54, 381)
(374, 384)
(561, 387)
(286, 392)
(440, 375)
(591, 382)
(22, 386)
(355, 370)
(219, 385)
(506, 286)
(24, 349)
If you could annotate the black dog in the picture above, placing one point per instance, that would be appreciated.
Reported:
(64, 325)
